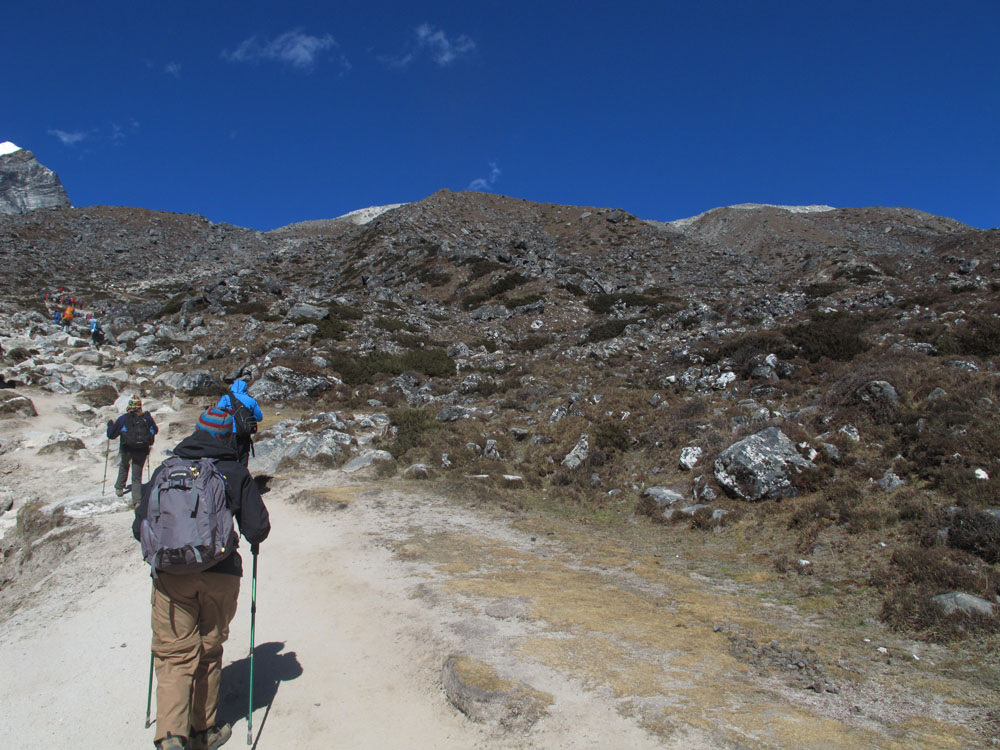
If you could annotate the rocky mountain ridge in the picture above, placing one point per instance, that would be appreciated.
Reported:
(753, 355)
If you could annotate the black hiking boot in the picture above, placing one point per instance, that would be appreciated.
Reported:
(172, 742)
(212, 738)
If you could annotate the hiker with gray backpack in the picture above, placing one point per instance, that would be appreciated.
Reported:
(246, 414)
(185, 524)
(137, 431)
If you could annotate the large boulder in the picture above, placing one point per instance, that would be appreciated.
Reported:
(305, 310)
(194, 383)
(279, 383)
(326, 449)
(579, 454)
(760, 466)
(15, 405)
(880, 398)
(966, 604)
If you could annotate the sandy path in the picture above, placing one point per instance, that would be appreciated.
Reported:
(346, 656)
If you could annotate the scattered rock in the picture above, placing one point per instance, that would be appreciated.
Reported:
(475, 689)
(965, 604)
(579, 453)
(13, 404)
(689, 457)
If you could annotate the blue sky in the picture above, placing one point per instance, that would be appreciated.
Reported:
(265, 113)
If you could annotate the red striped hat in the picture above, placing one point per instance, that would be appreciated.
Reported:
(216, 422)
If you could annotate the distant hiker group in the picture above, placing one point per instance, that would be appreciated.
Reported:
(186, 520)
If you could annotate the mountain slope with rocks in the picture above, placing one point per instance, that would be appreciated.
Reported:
(753, 452)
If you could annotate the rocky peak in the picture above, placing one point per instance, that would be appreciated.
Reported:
(25, 184)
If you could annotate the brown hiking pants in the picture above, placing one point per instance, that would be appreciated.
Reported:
(191, 616)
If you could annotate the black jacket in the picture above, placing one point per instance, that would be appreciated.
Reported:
(120, 425)
(242, 494)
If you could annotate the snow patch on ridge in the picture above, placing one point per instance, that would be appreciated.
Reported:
(364, 215)
(8, 148)
(682, 223)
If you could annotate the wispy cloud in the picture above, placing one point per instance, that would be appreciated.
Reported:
(434, 43)
(172, 69)
(295, 48)
(443, 51)
(119, 132)
(485, 184)
(69, 138)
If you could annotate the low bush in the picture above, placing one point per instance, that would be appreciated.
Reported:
(822, 289)
(611, 436)
(394, 324)
(172, 305)
(359, 370)
(344, 312)
(531, 343)
(411, 426)
(977, 532)
(433, 277)
(915, 575)
(608, 329)
(835, 336)
(528, 299)
(329, 328)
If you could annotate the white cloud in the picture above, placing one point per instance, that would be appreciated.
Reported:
(484, 184)
(434, 43)
(295, 48)
(119, 132)
(173, 69)
(443, 50)
(68, 139)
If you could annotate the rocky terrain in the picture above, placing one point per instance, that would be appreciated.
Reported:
(798, 406)
(26, 185)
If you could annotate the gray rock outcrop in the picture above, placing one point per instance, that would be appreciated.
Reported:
(26, 185)
(966, 604)
(760, 466)
(279, 383)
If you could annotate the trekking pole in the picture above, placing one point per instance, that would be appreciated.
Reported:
(254, 548)
(107, 452)
(149, 691)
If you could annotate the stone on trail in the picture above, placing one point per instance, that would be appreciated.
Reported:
(475, 689)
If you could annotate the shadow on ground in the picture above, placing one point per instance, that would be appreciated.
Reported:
(271, 666)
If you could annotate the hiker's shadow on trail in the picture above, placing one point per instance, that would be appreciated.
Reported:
(271, 667)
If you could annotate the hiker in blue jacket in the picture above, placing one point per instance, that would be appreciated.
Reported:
(243, 443)
(137, 431)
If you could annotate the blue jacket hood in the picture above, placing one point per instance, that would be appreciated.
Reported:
(238, 386)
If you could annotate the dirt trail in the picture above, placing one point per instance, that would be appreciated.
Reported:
(365, 588)
(345, 657)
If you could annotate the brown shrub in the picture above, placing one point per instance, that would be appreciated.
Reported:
(976, 532)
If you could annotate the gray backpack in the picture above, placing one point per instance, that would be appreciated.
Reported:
(188, 525)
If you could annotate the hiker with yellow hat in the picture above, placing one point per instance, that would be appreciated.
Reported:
(137, 431)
